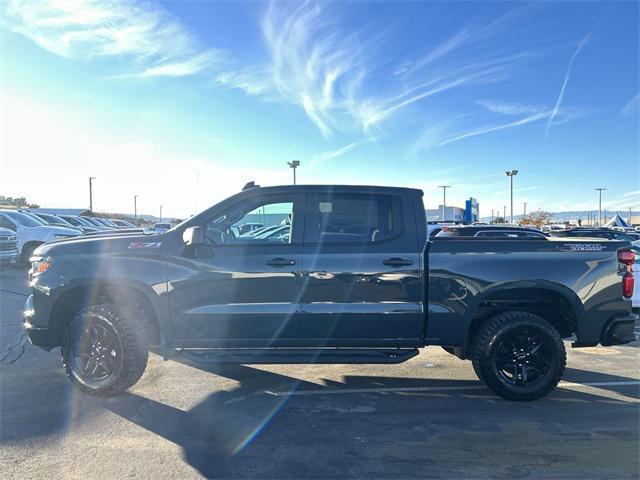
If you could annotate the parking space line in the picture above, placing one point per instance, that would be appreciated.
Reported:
(334, 391)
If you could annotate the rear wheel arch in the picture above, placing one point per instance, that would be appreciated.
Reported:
(557, 304)
(131, 301)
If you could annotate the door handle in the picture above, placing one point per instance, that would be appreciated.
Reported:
(280, 262)
(397, 262)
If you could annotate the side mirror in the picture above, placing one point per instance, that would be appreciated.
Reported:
(193, 236)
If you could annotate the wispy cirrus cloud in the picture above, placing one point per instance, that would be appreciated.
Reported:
(332, 154)
(148, 37)
(632, 107)
(333, 73)
(567, 76)
(460, 127)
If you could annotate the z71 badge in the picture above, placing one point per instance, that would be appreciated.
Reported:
(584, 247)
(145, 244)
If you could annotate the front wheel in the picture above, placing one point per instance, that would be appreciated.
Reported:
(519, 355)
(103, 351)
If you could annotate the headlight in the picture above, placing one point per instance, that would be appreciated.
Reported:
(40, 265)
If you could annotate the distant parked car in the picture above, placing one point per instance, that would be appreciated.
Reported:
(51, 219)
(97, 223)
(249, 227)
(259, 231)
(30, 233)
(161, 227)
(108, 222)
(79, 222)
(490, 231)
(608, 233)
(123, 223)
(9, 253)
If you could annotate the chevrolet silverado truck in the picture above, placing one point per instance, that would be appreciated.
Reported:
(352, 279)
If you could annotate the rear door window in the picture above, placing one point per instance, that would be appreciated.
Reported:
(355, 218)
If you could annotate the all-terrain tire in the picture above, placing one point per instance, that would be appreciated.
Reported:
(495, 342)
(127, 349)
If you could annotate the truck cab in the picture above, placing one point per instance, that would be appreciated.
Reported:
(349, 261)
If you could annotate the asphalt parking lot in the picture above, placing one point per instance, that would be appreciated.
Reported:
(428, 418)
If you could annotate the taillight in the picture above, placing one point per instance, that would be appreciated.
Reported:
(627, 285)
(627, 257)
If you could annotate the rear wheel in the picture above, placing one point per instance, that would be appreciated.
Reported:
(103, 351)
(519, 355)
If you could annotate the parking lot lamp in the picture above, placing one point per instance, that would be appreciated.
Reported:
(511, 174)
(444, 200)
(91, 179)
(294, 164)
(599, 189)
(135, 209)
(504, 214)
(525, 209)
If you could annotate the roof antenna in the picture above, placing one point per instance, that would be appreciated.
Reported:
(249, 185)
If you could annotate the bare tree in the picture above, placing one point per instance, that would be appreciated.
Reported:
(537, 218)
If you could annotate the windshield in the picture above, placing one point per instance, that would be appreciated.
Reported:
(35, 217)
(55, 220)
(73, 221)
(24, 220)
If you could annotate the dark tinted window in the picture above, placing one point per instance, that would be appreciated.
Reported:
(353, 218)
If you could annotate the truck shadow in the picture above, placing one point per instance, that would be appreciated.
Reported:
(232, 432)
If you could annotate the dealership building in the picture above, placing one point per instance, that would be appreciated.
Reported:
(469, 214)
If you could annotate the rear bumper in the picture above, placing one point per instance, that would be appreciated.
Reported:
(621, 329)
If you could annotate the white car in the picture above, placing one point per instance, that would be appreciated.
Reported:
(31, 233)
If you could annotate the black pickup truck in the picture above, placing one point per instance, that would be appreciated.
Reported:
(346, 276)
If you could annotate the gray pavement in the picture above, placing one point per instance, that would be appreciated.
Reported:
(428, 418)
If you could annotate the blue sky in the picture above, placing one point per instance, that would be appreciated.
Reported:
(181, 103)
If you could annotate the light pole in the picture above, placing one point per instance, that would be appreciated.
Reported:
(599, 190)
(294, 164)
(525, 209)
(160, 213)
(630, 215)
(511, 174)
(492, 216)
(504, 214)
(91, 179)
(135, 209)
(444, 200)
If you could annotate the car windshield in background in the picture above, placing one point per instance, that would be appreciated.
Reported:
(36, 218)
(74, 221)
(53, 220)
(24, 220)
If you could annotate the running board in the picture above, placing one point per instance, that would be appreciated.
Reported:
(298, 355)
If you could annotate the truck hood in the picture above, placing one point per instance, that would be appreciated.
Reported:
(103, 244)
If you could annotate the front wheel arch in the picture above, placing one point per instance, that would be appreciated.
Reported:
(27, 250)
(71, 301)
